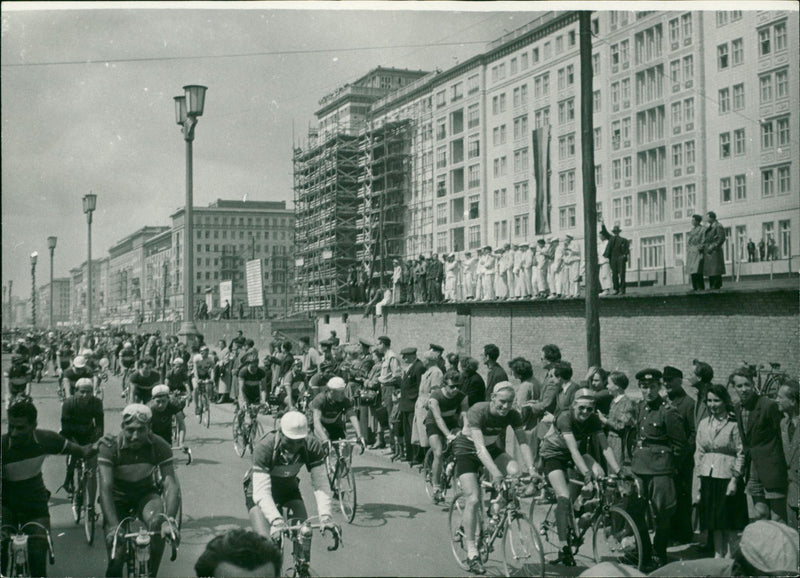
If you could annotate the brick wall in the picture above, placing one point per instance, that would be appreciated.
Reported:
(636, 332)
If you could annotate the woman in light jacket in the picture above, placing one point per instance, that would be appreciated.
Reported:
(430, 382)
(718, 463)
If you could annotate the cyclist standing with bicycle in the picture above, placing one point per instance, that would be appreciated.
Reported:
(445, 407)
(272, 482)
(482, 443)
(82, 422)
(25, 496)
(330, 409)
(128, 468)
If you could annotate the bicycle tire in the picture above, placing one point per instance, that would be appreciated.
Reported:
(523, 553)
(609, 528)
(427, 473)
(347, 492)
(455, 517)
(77, 494)
(89, 514)
(206, 410)
(255, 434)
(179, 515)
(239, 441)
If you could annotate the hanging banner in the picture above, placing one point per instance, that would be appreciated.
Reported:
(255, 279)
(541, 168)
(225, 292)
(210, 300)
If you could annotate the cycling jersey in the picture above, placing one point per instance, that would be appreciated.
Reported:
(161, 422)
(492, 426)
(177, 380)
(127, 357)
(333, 414)
(23, 485)
(134, 468)
(270, 458)
(553, 445)
(82, 421)
(143, 385)
(18, 377)
(250, 383)
(203, 367)
(448, 406)
(64, 357)
(73, 374)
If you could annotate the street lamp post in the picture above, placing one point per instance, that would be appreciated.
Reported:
(51, 244)
(187, 109)
(89, 205)
(34, 258)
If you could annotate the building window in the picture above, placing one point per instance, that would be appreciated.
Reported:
(566, 218)
(595, 64)
(677, 247)
(677, 202)
(738, 96)
(521, 127)
(472, 84)
(781, 84)
(737, 52)
(441, 241)
(474, 207)
(521, 227)
(767, 182)
(521, 160)
(521, 193)
(738, 142)
(785, 239)
(725, 189)
(598, 175)
(441, 214)
(566, 146)
(474, 236)
(784, 180)
(766, 88)
(440, 99)
(566, 111)
(652, 252)
(740, 187)
(441, 157)
(566, 183)
(722, 56)
(764, 42)
(652, 206)
(783, 131)
(767, 135)
(598, 138)
(724, 100)
(542, 117)
(473, 176)
(724, 145)
(473, 116)
(596, 103)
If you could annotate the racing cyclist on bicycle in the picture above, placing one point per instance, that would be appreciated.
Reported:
(329, 411)
(144, 380)
(446, 407)
(202, 368)
(18, 379)
(482, 443)
(63, 360)
(128, 467)
(25, 497)
(567, 446)
(252, 388)
(272, 483)
(127, 361)
(165, 406)
(78, 370)
(83, 422)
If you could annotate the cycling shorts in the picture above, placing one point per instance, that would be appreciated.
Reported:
(251, 394)
(471, 463)
(431, 429)
(285, 491)
(20, 511)
(336, 431)
(134, 503)
(17, 387)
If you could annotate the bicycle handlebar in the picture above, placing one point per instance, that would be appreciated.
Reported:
(347, 442)
(172, 538)
(19, 530)
(334, 530)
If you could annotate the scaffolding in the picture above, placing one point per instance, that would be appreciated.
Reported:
(326, 204)
(384, 192)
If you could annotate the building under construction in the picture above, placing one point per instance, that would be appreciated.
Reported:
(349, 187)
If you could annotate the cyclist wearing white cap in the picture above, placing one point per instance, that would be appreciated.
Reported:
(177, 378)
(78, 370)
(272, 483)
(329, 411)
(128, 468)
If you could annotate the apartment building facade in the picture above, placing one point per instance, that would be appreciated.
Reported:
(693, 111)
(61, 306)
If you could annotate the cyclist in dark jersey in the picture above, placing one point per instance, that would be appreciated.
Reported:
(143, 381)
(78, 370)
(83, 422)
(177, 378)
(25, 497)
(482, 443)
(164, 405)
(330, 409)
(445, 406)
(18, 378)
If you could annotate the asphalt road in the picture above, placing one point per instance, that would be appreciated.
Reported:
(396, 531)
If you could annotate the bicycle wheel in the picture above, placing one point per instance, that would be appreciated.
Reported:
(347, 491)
(427, 473)
(89, 515)
(240, 440)
(617, 539)
(179, 515)
(77, 493)
(255, 434)
(458, 544)
(523, 554)
(206, 410)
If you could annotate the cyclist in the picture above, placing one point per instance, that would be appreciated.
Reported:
(164, 407)
(202, 367)
(18, 378)
(251, 386)
(127, 361)
(82, 422)
(567, 446)
(272, 482)
(329, 411)
(128, 467)
(78, 370)
(25, 496)
(482, 443)
(446, 407)
(63, 359)
(291, 386)
(143, 380)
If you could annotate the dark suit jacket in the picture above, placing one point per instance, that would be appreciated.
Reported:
(495, 376)
(617, 248)
(791, 450)
(474, 388)
(762, 444)
(409, 386)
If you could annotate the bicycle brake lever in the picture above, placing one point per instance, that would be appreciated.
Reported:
(336, 534)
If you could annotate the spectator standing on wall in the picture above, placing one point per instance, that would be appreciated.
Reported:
(751, 251)
(604, 264)
(540, 271)
(713, 255)
(397, 282)
(762, 250)
(694, 253)
(617, 252)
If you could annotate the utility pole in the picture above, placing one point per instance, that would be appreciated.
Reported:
(589, 192)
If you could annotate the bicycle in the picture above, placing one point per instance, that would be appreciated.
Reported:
(769, 379)
(102, 377)
(447, 475)
(522, 550)
(615, 535)
(203, 407)
(83, 508)
(137, 545)
(245, 432)
(18, 561)
(300, 534)
(126, 393)
(342, 479)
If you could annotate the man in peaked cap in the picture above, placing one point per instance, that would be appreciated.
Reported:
(438, 350)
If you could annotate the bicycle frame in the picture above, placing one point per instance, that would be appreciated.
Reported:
(294, 532)
(138, 545)
(18, 561)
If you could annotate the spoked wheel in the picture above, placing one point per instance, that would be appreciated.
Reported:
(89, 515)
(523, 554)
(255, 434)
(427, 473)
(179, 515)
(77, 496)
(617, 539)
(206, 416)
(239, 440)
(458, 537)
(347, 492)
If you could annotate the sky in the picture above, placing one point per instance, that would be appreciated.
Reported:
(87, 105)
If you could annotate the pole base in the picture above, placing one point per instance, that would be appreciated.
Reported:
(188, 331)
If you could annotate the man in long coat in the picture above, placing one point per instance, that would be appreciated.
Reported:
(617, 252)
(713, 256)
(694, 253)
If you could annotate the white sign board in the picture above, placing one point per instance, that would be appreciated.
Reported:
(225, 292)
(255, 288)
(210, 300)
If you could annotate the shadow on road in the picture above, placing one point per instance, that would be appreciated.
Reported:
(209, 441)
(370, 472)
(373, 515)
(198, 461)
